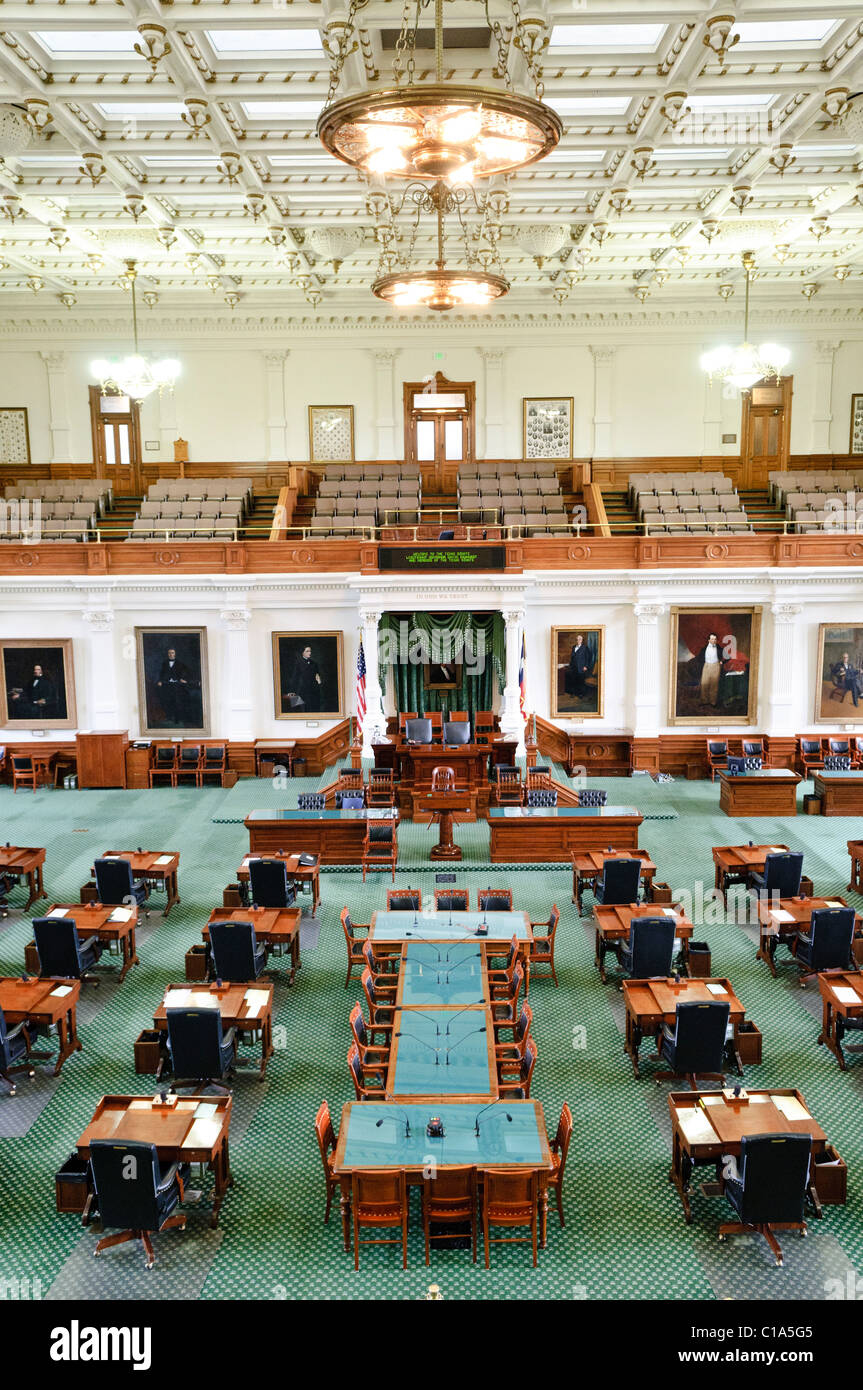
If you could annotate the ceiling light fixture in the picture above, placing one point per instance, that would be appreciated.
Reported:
(439, 130)
(719, 38)
(744, 365)
(136, 376)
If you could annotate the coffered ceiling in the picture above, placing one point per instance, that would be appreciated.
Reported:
(674, 160)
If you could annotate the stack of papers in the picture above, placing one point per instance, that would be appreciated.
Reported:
(696, 1127)
(846, 995)
(59, 912)
(833, 902)
(256, 1000)
(790, 1107)
(782, 916)
(716, 989)
(164, 859)
(121, 914)
(61, 991)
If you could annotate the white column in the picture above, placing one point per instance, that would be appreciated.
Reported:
(648, 682)
(385, 420)
(781, 716)
(375, 720)
(822, 412)
(104, 708)
(61, 435)
(167, 425)
(494, 446)
(603, 371)
(511, 721)
(277, 446)
(712, 417)
(238, 711)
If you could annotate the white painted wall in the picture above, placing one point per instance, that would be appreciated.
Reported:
(659, 396)
(56, 609)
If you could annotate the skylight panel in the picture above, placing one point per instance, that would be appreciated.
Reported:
(285, 110)
(598, 36)
(801, 31)
(589, 106)
(254, 43)
(722, 102)
(156, 110)
(88, 43)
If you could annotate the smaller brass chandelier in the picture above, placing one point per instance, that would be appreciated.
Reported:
(440, 288)
(744, 365)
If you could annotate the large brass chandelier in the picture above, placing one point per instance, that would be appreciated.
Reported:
(477, 285)
(439, 130)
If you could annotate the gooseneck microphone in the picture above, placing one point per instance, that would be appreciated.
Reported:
(402, 1113)
(483, 1111)
(417, 1013)
(449, 968)
(416, 1037)
(459, 1014)
(472, 1034)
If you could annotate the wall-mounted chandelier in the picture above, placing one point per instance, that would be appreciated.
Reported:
(136, 376)
(744, 365)
(440, 288)
(438, 130)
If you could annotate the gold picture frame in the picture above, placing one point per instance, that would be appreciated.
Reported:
(546, 428)
(191, 697)
(19, 656)
(331, 434)
(717, 701)
(855, 441)
(15, 435)
(835, 640)
(308, 693)
(577, 690)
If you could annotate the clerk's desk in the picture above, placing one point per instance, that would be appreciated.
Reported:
(769, 791)
(337, 836)
(546, 834)
(841, 793)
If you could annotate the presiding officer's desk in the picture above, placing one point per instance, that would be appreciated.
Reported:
(337, 836)
(547, 834)
(770, 791)
(841, 793)
(387, 928)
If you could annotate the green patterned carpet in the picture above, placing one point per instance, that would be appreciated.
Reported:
(625, 1235)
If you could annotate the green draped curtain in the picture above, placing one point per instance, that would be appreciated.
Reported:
(476, 691)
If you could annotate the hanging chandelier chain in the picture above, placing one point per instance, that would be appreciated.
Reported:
(340, 42)
(530, 45)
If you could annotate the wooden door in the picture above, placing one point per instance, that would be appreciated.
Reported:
(765, 431)
(116, 426)
(439, 430)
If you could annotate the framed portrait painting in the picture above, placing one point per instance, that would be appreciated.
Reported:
(442, 675)
(14, 435)
(173, 691)
(547, 427)
(331, 433)
(577, 669)
(839, 691)
(856, 443)
(714, 665)
(307, 675)
(37, 690)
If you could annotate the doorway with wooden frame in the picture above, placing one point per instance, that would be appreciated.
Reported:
(765, 430)
(115, 422)
(439, 419)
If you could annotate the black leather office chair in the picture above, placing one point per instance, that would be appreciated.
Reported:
(695, 1046)
(753, 748)
(771, 1190)
(201, 1054)
(62, 953)
(134, 1194)
(403, 900)
(782, 875)
(494, 900)
(268, 883)
(456, 732)
(736, 767)
(828, 943)
(14, 1051)
(620, 882)
(237, 957)
(541, 796)
(837, 763)
(115, 884)
(418, 730)
(311, 801)
(592, 796)
(839, 747)
(650, 948)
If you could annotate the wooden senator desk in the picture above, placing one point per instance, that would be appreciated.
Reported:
(337, 836)
(248, 1008)
(275, 927)
(297, 872)
(24, 863)
(416, 763)
(156, 866)
(841, 793)
(706, 1125)
(397, 928)
(44, 1002)
(841, 997)
(790, 919)
(733, 863)
(855, 849)
(547, 834)
(652, 1003)
(772, 791)
(612, 926)
(114, 926)
(521, 1142)
(193, 1130)
(588, 864)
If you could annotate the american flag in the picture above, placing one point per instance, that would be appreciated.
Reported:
(522, 689)
(361, 684)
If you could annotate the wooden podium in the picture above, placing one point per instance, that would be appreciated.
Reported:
(443, 805)
(102, 758)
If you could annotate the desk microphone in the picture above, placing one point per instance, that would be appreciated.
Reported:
(482, 1112)
(458, 1043)
(448, 969)
(416, 1037)
(460, 1012)
(416, 1013)
(404, 1115)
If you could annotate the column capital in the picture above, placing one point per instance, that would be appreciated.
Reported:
(235, 619)
(54, 361)
(602, 355)
(493, 357)
(825, 348)
(99, 619)
(384, 357)
(785, 613)
(276, 359)
(648, 614)
(370, 617)
(512, 616)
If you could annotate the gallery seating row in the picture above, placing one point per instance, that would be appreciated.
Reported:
(813, 511)
(97, 491)
(202, 490)
(818, 482)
